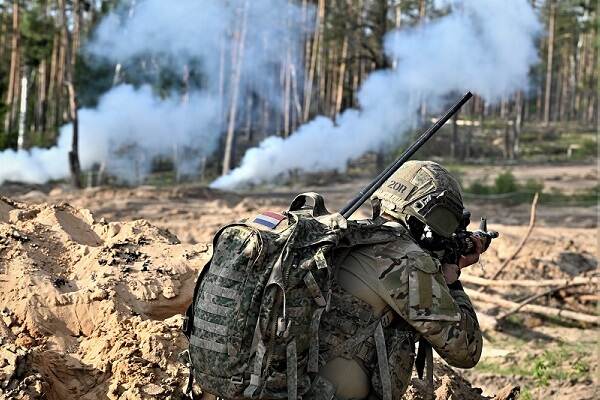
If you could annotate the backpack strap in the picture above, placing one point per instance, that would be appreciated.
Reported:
(292, 370)
(382, 360)
(360, 336)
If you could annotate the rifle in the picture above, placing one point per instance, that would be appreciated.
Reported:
(461, 242)
(368, 190)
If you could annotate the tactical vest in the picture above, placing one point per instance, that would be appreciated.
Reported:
(387, 353)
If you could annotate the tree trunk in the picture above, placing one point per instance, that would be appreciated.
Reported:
(74, 165)
(287, 91)
(40, 110)
(221, 84)
(547, 93)
(507, 143)
(342, 74)
(248, 127)
(52, 106)
(517, 124)
(467, 145)
(14, 68)
(580, 62)
(235, 83)
(23, 111)
(63, 63)
(423, 106)
(314, 53)
(454, 145)
(4, 22)
(76, 34)
(297, 114)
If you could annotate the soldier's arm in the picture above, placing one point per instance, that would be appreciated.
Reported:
(441, 313)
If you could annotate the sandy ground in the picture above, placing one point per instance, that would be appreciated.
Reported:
(91, 300)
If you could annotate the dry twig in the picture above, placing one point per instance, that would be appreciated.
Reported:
(533, 308)
(531, 299)
(476, 280)
(523, 241)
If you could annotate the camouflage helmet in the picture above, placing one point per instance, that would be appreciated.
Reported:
(425, 190)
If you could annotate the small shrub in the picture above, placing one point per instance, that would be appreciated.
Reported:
(588, 148)
(532, 186)
(478, 187)
(505, 183)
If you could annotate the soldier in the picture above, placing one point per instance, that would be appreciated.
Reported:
(404, 284)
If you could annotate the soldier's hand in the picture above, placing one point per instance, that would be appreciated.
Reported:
(470, 259)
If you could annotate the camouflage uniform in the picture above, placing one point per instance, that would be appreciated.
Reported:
(402, 278)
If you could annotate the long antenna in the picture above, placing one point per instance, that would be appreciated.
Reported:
(368, 190)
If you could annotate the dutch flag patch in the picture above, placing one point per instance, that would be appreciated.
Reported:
(269, 219)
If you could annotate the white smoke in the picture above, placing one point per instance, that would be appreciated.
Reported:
(486, 46)
(140, 126)
(130, 127)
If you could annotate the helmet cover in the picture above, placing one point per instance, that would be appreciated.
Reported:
(425, 190)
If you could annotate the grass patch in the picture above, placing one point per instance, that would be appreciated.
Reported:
(564, 362)
(508, 190)
(559, 144)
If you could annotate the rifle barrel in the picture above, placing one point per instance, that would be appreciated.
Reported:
(368, 190)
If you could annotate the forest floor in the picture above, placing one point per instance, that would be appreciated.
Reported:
(111, 284)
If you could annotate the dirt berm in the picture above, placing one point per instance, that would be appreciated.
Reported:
(92, 309)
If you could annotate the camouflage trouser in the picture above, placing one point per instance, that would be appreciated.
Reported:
(321, 389)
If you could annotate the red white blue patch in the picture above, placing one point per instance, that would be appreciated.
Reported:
(269, 219)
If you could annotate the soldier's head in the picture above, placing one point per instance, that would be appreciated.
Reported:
(422, 194)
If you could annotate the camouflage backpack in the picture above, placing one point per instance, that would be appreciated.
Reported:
(253, 325)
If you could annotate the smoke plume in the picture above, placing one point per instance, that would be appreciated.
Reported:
(132, 125)
(486, 46)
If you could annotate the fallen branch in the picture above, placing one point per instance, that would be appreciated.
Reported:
(533, 308)
(533, 298)
(523, 241)
(589, 297)
(476, 280)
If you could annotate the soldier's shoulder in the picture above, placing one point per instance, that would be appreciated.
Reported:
(406, 248)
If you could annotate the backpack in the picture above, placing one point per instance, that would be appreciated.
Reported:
(253, 325)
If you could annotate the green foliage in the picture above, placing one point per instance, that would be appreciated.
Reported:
(92, 78)
(37, 32)
(533, 186)
(510, 191)
(480, 188)
(505, 183)
(553, 364)
(526, 395)
(562, 143)
(588, 148)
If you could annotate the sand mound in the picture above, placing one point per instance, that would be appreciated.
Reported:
(92, 309)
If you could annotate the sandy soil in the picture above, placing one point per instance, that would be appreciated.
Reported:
(91, 300)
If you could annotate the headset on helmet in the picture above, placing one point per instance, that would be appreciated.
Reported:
(426, 191)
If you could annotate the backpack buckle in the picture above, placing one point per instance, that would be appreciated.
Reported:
(237, 380)
(185, 324)
(283, 327)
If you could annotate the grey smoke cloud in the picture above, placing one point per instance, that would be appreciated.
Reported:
(131, 126)
(486, 46)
